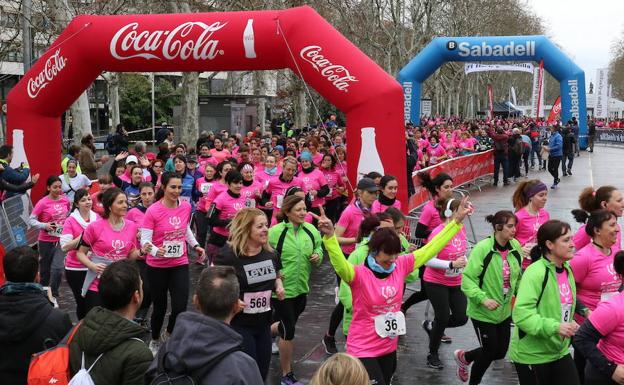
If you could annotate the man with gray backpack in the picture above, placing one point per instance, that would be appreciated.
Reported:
(203, 349)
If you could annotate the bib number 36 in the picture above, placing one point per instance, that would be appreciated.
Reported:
(390, 325)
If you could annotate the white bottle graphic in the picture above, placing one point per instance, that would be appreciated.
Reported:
(19, 152)
(369, 157)
(248, 40)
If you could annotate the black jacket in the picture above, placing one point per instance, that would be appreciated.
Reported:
(29, 324)
(125, 358)
(195, 342)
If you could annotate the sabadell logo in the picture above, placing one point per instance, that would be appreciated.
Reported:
(484, 49)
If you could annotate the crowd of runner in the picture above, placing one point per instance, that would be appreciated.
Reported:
(261, 212)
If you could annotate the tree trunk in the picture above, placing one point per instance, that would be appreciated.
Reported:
(189, 117)
(302, 118)
(113, 98)
(81, 121)
(261, 90)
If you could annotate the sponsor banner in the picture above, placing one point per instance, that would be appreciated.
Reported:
(477, 67)
(555, 110)
(53, 66)
(513, 96)
(510, 49)
(463, 170)
(538, 91)
(601, 108)
(491, 100)
(610, 136)
(407, 101)
(338, 75)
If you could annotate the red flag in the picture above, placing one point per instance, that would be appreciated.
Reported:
(491, 99)
(555, 110)
(540, 80)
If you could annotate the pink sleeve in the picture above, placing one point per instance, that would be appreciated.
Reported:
(68, 227)
(606, 317)
(425, 216)
(581, 238)
(375, 207)
(407, 264)
(345, 219)
(89, 236)
(148, 221)
(38, 208)
(321, 179)
(580, 265)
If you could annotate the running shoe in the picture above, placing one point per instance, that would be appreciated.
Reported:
(329, 342)
(463, 366)
(290, 379)
(154, 345)
(427, 326)
(553, 186)
(446, 339)
(433, 361)
(275, 346)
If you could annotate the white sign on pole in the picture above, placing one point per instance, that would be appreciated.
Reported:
(425, 107)
(601, 109)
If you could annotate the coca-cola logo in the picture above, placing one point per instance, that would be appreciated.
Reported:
(556, 109)
(337, 74)
(51, 69)
(130, 42)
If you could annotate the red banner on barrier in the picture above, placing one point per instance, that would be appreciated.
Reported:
(555, 110)
(463, 170)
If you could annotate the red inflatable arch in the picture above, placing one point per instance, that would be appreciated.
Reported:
(257, 40)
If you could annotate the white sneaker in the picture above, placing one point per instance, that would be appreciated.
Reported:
(275, 346)
(154, 345)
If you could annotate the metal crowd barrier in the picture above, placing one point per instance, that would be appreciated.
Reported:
(14, 228)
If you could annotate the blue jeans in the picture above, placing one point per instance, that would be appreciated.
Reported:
(569, 159)
(498, 162)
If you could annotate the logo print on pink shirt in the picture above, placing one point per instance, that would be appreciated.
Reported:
(238, 206)
(612, 271)
(58, 207)
(175, 222)
(388, 292)
(118, 245)
(457, 243)
(564, 290)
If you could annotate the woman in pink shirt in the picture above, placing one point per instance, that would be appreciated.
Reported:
(275, 190)
(221, 212)
(74, 226)
(349, 223)
(205, 158)
(252, 189)
(442, 281)
(107, 240)
(601, 337)
(387, 195)
(220, 153)
(336, 186)
(219, 185)
(435, 152)
(314, 183)
(165, 232)
(48, 216)
(605, 197)
(105, 182)
(596, 281)
(317, 157)
(529, 200)
(267, 171)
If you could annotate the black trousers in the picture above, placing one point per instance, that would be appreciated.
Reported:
(287, 313)
(257, 343)
(557, 372)
(380, 369)
(201, 223)
(51, 265)
(173, 281)
(553, 167)
(501, 161)
(75, 279)
(147, 293)
(333, 209)
(449, 304)
(594, 377)
(494, 340)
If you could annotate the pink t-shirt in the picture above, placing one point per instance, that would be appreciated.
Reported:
(97, 206)
(73, 228)
(350, 220)
(333, 179)
(608, 319)
(314, 181)
(435, 153)
(565, 296)
(216, 190)
(204, 187)
(595, 277)
(48, 210)
(135, 215)
(373, 297)
(453, 250)
(251, 193)
(317, 158)
(108, 243)
(377, 207)
(169, 226)
(203, 161)
(526, 228)
(506, 272)
(261, 175)
(430, 216)
(277, 189)
(220, 156)
(581, 239)
(228, 207)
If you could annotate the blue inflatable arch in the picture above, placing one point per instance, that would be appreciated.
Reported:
(498, 48)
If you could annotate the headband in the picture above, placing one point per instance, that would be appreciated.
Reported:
(535, 189)
(247, 167)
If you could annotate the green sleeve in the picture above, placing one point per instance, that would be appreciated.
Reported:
(517, 247)
(422, 255)
(525, 312)
(318, 245)
(274, 233)
(470, 276)
(343, 268)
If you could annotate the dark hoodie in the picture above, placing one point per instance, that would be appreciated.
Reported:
(196, 340)
(126, 357)
(28, 324)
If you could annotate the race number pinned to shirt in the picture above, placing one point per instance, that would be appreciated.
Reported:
(205, 188)
(185, 199)
(390, 325)
(56, 231)
(454, 272)
(280, 200)
(565, 295)
(257, 302)
(173, 249)
(250, 203)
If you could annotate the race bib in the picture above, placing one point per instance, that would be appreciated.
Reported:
(390, 325)
(250, 203)
(257, 302)
(205, 188)
(331, 190)
(56, 231)
(173, 249)
(280, 199)
(185, 199)
(454, 272)
(566, 312)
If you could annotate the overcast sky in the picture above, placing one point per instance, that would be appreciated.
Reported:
(584, 29)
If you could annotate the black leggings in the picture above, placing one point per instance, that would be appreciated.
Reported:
(417, 297)
(51, 265)
(449, 304)
(553, 167)
(594, 377)
(335, 319)
(380, 369)
(147, 294)
(557, 372)
(201, 223)
(174, 280)
(287, 313)
(92, 299)
(75, 279)
(332, 209)
(257, 343)
(494, 340)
